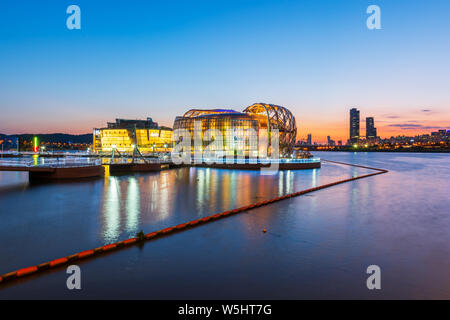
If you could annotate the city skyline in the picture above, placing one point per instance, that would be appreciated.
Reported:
(316, 58)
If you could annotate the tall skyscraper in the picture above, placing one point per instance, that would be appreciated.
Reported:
(354, 125)
(371, 131)
(309, 140)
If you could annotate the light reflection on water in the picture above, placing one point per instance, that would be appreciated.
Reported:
(133, 206)
(131, 202)
(111, 210)
(148, 201)
(315, 244)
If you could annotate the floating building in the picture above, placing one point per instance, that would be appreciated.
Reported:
(242, 133)
(124, 134)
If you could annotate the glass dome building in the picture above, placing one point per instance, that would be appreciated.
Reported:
(229, 132)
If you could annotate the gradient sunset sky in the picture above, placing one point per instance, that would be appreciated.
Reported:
(138, 59)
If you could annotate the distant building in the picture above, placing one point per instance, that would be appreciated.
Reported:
(309, 140)
(125, 134)
(354, 125)
(330, 142)
(371, 131)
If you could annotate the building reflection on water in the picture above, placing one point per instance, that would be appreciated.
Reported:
(157, 200)
(128, 199)
(132, 205)
(111, 210)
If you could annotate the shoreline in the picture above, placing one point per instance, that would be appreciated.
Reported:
(386, 151)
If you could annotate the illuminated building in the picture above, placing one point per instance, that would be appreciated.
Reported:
(243, 133)
(371, 131)
(330, 142)
(354, 125)
(309, 140)
(124, 135)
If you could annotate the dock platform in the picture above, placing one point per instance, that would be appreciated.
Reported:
(54, 170)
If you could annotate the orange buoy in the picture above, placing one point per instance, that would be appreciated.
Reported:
(26, 271)
(264, 230)
(85, 254)
(109, 247)
(57, 262)
(129, 241)
(150, 235)
(167, 230)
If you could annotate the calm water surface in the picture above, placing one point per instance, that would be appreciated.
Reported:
(317, 246)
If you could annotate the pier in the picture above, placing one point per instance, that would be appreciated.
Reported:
(136, 167)
(124, 166)
(258, 164)
(42, 167)
(54, 169)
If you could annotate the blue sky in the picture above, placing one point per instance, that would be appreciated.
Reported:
(159, 58)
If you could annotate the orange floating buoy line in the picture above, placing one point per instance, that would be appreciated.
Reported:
(178, 228)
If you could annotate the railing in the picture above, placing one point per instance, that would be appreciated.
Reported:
(50, 163)
(252, 160)
(73, 161)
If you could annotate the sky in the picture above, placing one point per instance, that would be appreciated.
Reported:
(138, 59)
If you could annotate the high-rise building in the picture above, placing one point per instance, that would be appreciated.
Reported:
(371, 131)
(354, 125)
(309, 140)
(330, 142)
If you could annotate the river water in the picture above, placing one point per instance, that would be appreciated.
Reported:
(316, 246)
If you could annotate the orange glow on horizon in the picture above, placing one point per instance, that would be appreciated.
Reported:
(319, 127)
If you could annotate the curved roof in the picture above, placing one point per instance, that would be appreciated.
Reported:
(280, 118)
(192, 113)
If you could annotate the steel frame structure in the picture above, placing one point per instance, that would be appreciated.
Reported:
(280, 118)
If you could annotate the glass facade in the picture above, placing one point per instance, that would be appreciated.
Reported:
(125, 134)
(223, 132)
